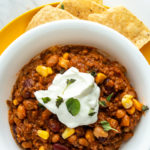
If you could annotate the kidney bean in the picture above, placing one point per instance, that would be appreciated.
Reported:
(54, 125)
(26, 94)
(59, 147)
(28, 83)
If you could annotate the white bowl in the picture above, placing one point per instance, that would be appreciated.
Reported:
(81, 33)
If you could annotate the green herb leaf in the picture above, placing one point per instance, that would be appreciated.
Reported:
(102, 103)
(93, 73)
(62, 6)
(62, 71)
(73, 106)
(91, 112)
(106, 126)
(41, 106)
(109, 97)
(144, 108)
(46, 100)
(69, 82)
(59, 100)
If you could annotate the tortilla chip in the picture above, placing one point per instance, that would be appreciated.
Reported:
(48, 14)
(81, 8)
(98, 1)
(123, 21)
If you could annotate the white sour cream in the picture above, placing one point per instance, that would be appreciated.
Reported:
(84, 89)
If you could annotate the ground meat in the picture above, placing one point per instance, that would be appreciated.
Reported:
(27, 115)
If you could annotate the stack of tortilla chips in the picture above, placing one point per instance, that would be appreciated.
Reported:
(118, 18)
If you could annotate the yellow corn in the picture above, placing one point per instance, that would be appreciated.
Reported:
(44, 71)
(127, 101)
(100, 78)
(66, 55)
(64, 63)
(41, 148)
(15, 102)
(137, 105)
(43, 134)
(67, 133)
(131, 111)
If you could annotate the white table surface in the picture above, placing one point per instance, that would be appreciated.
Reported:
(10, 9)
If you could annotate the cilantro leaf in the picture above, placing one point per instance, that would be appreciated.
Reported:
(109, 97)
(41, 106)
(62, 6)
(69, 82)
(46, 100)
(62, 71)
(106, 126)
(144, 108)
(102, 103)
(93, 73)
(91, 112)
(59, 100)
(73, 106)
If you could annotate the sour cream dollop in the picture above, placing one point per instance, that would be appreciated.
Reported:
(84, 89)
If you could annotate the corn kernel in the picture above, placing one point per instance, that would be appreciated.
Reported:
(66, 55)
(100, 78)
(43, 134)
(67, 133)
(44, 71)
(127, 101)
(64, 63)
(15, 102)
(49, 70)
(137, 105)
(131, 111)
(41, 148)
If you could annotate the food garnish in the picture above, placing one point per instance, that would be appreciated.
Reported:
(46, 100)
(145, 108)
(73, 106)
(62, 6)
(109, 97)
(91, 112)
(62, 71)
(102, 103)
(59, 100)
(106, 126)
(93, 73)
(41, 106)
(69, 82)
